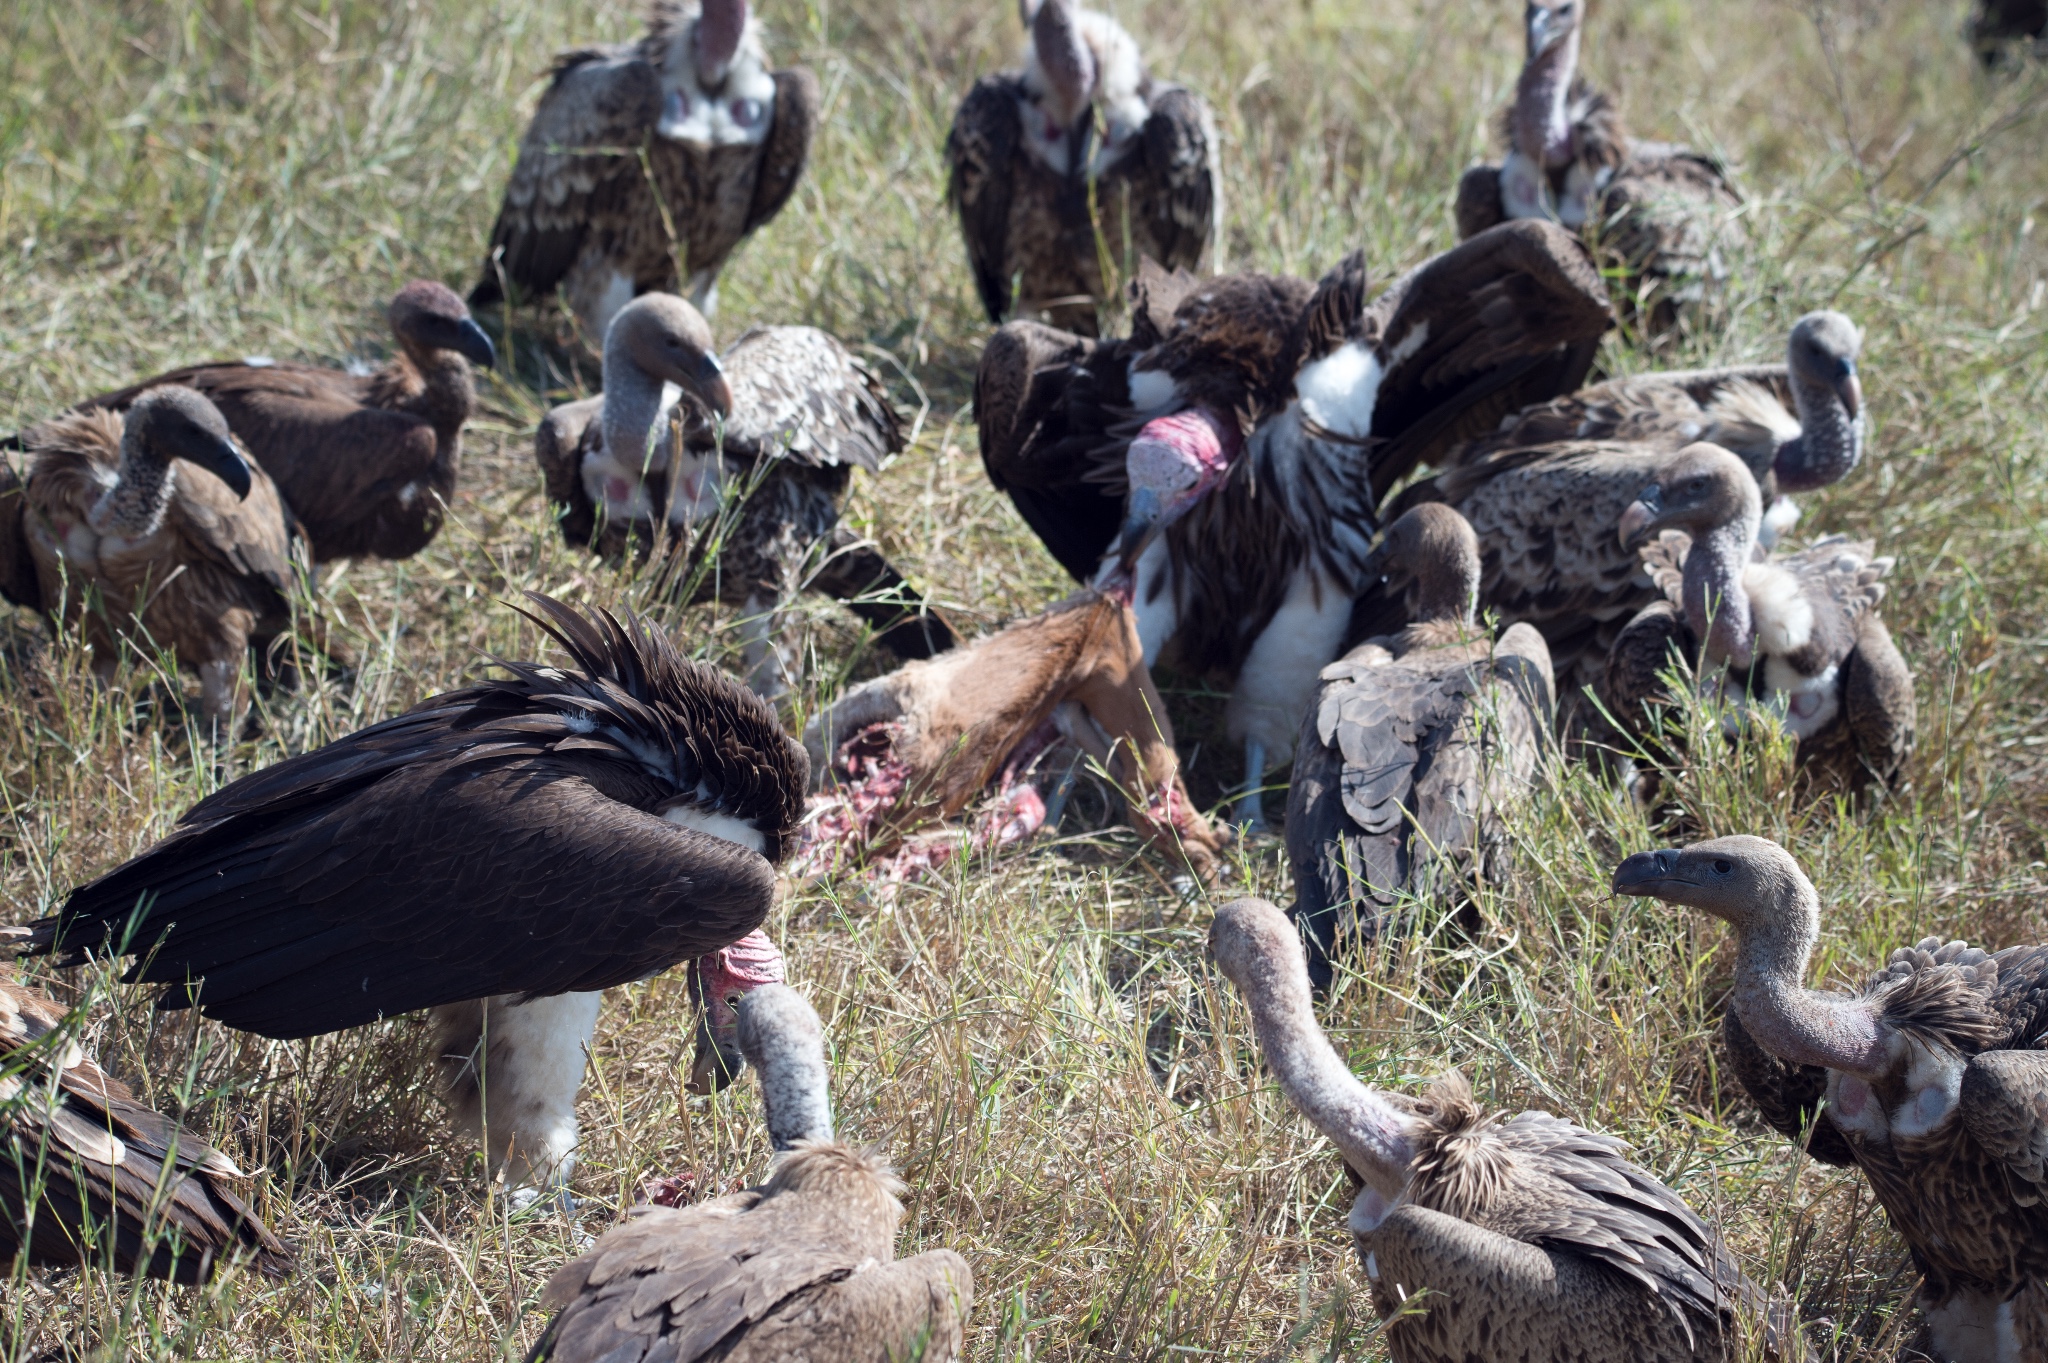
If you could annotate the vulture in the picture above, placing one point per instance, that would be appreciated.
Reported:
(1797, 633)
(92, 1176)
(1415, 744)
(679, 144)
(1533, 1239)
(1243, 441)
(1998, 27)
(802, 1266)
(148, 527)
(1663, 214)
(553, 832)
(1044, 194)
(776, 426)
(1930, 1078)
(366, 463)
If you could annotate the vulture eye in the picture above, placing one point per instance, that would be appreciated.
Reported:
(1721, 866)
(746, 112)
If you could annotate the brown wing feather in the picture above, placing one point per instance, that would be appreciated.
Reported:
(558, 447)
(982, 152)
(18, 581)
(2004, 1105)
(798, 393)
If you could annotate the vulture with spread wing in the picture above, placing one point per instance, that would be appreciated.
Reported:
(555, 832)
(89, 1175)
(1521, 1239)
(366, 463)
(1931, 1079)
(678, 145)
(742, 462)
(1416, 744)
(801, 1267)
(1043, 191)
(1665, 215)
(1245, 462)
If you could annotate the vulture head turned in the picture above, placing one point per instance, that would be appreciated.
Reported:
(1710, 494)
(175, 422)
(780, 1034)
(1174, 462)
(718, 984)
(1436, 551)
(1821, 357)
(428, 317)
(662, 337)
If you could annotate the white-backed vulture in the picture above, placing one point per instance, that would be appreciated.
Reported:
(1416, 744)
(724, 141)
(1665, 215)
(748, 456)
(800, 1267)
(1523, 1239)
(366, 463)
(554, 832)
(1026, 157)
(149, 528)
(1246, 529)
(93, 1161)
(1930, 1078)
(1796, 633)
(922, 742)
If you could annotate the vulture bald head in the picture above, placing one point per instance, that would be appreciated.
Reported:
(1821, 357)
(1174, 462)
(1434, 550)
(663, 337)
(427, 316)
(1547, 23)
(716, 87)
(718, 984)
(1710, 494)
(175, 422)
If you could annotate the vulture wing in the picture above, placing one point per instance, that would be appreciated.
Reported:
(1746, 409)
(798, 104)
(558, 449)
(116, 1178)
(2004, 1106)
(913, 1308)
(578, 163)
(981, 164)
(1176, 199)
(1788, 1096)
(798, 392)
(248, 534)
(1878, 700)
(18, 580)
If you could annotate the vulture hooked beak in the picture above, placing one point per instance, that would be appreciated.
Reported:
(473, 345)
(1145, 515)
(710, 384)
(1649, 873)
(1642, 513)
(717, 984)
(1849, 388)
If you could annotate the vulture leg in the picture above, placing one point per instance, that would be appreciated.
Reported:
(767, 665)
(857, 574)
(510, 1072)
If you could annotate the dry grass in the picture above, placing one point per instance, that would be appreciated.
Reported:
(1039, 1043)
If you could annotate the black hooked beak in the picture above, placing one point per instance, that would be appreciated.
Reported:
(1647, 873)
(473, 345)
(219, 457)
(1143, 521)
(718, 1062)
(1848, 388)
(710, 384)
(1642, 513)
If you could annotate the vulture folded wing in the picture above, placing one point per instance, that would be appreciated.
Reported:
(2004, 1106)
(981, 163)
(558, 449)
(247, 535)
(18, 581)
(912, 1308)
(1182, 200)
(1787, 1096)
(579, 167)
(1878, 699)
(798, 393)
(798, 103)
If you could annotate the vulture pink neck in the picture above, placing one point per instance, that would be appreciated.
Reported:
(1716, 602)
(1796, 1024)
(1542, 118)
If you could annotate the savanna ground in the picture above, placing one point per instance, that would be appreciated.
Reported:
(1064, 1081)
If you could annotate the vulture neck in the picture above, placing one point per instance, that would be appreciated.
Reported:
(437, 386)
(143, 484)
(795, 1091)
(1716, 603)
(633, 402)
(1371, 1134)
(1796, 1024)
(1542, 121)
(1829, 443)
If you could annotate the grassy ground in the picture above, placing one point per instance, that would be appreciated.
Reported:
(1039, 1043)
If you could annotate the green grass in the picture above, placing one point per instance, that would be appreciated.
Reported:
(1065, 1083)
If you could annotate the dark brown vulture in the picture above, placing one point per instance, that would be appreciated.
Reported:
(1026, 157)
(801, 1267)
(1246, 462)
(366, 462)
(779, 424)
(1521, 1239)
(97, 1159)
(149, 528)
(550, 833)
(1930, 1078)
(724, 140)
(1665, 215)
(1416, 745)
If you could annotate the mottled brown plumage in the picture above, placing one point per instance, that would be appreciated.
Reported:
(1523, 1239)
(1416, 744)
(1930, 1078)
(801, 1267)
(149, 529)
(366, 463)
(1026, 154)
(551, 831)
(97, 1159)
(725, 142)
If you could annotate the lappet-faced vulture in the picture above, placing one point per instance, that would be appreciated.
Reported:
(1930, 1078)
(89, 1175)
(803, 1266)
(1026, 155)
(751, 454)
(1416, 745)
(1246, 463)
(150, 528)
(554, 832)
(724, 139)
(1665, 214)
(1523, 1239)
(366, 463)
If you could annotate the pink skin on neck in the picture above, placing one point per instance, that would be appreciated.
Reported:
(1182, 458)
